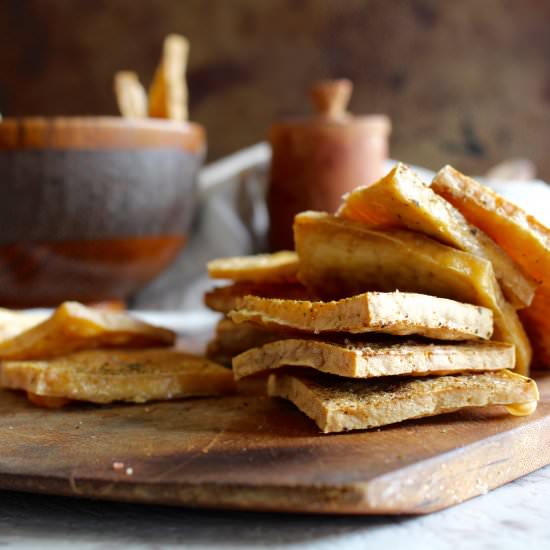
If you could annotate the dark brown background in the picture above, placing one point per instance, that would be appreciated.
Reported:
(465, 82)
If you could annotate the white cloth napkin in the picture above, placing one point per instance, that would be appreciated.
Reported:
(231, 219)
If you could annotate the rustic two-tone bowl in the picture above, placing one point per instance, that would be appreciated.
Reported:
(92, 208)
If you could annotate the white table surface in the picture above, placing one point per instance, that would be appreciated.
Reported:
(512, 517)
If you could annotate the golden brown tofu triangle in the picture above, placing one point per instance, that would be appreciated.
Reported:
(401, 200)
(372, 359)
(398, 313)
(168, 94)
(521, 235)
(130, 94)
(74, 327)
(536, 320)
(231, 339)
(224, 299)
(105, 376)
(47, 402)
(338, 405)
(13, 323)
(279, 267)
(341, 258)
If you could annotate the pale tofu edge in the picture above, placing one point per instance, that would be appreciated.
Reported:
(330, 418)
(371, 362)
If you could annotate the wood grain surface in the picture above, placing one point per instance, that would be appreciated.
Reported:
(255, 453)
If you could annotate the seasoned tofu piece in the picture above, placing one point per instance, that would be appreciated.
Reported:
(231, 339)
(399, 313)
(130, 95)
(47, 402)
(341, 258)
(224, 299)
(74, 327)
(168, 94)
(522, 236)
(402, 200)
(104, 376)
(338, 405)
(13, 323)
(376, 358)
(278, 267)
(536, 320)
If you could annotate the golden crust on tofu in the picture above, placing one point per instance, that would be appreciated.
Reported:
(338, 405)
(376, 358)
(168, 94)
(231, 339)
(130, 95)
(398, 313)
(74, 327)
(522, 236)
(104, 376)
(536, 320)
(278, 267)
(340, 258)
(47, 402)
(13, 323)
(402, 200)
(224, 299)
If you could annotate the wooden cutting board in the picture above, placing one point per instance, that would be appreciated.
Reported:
(251, 452)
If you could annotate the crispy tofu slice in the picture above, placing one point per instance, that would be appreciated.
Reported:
(522, 236)
(47, 402)
(279, 267)
(399, 313)
(231, 339)
(402, 200)
(338, 405)
(74, 327)
(375, 359)
(224, 299)
(104, 376)
(130, 95)
(536, 319)
(340, 258)
(13, 323)
(168, 94)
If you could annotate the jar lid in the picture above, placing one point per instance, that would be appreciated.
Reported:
(330, 99)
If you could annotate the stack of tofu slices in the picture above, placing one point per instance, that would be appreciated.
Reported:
(400, 306)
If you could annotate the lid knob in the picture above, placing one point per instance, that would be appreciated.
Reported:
(330, 98)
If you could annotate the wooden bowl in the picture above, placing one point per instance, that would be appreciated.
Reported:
(92, 208)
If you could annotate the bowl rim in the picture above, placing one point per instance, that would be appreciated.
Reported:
(99, 132)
